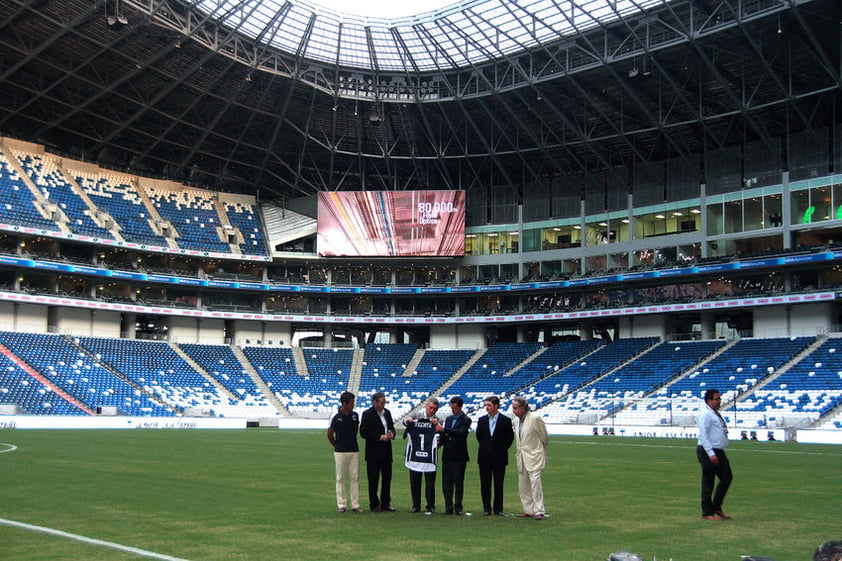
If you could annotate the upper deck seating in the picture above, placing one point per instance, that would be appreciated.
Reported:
(17, 206)
(120, 199)
(56, 188)
(193, 215)
(247, 220)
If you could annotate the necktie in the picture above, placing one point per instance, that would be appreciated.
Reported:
(721, 419)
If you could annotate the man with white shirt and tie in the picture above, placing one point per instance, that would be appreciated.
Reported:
(455, 458)
(713, 440)
(495, 437)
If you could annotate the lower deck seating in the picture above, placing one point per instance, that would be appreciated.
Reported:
(771, 382)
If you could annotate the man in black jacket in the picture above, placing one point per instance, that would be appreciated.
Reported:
(378, 431)
(495, 436)
(455, 457)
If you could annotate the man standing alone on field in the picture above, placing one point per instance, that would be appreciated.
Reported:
(342, 434)
(378, 430)
(713, 440)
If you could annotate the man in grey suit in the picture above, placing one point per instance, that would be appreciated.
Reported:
(495, 437)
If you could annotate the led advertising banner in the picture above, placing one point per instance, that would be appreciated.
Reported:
(391, 223)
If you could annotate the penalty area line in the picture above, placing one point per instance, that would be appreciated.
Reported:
(90, 541)
(8, 447)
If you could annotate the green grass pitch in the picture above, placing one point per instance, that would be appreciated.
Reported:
(265, 494)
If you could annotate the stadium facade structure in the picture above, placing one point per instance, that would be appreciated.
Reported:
(658, 169)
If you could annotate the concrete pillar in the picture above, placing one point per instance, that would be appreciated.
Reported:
(708, 326)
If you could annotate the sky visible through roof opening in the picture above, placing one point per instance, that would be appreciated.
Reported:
(387, 9)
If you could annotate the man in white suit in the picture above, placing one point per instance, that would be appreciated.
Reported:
(531, 438)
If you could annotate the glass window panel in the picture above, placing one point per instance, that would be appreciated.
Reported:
(753, 213)
(471, 244)
(651, 224)
(836, 190)
(820, 200)
(688, 254)
(802, 212)
(561, 237)
(773, 211)
(618, 260)
(596, 264)
(571, 266)
(550, 269)
(733, 216)
(487, 272)
(601, 232)
(532, 239)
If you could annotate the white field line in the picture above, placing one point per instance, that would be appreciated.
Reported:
(90, 541)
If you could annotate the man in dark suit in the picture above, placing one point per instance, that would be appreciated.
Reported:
(378, 431)
(454, 438)
(495, 436)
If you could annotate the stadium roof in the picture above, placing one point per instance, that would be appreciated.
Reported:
(458, 36)
(481, 95)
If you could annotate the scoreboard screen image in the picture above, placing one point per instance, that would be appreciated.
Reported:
(391, 223)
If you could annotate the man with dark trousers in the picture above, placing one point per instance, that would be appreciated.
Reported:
(454, 438)
(495, 436)
(422, 454)
(378, 431)
(710, 451)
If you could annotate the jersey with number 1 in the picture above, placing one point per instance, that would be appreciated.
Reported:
(422, 448)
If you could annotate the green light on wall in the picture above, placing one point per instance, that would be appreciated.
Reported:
(808, 214)
(839, 213)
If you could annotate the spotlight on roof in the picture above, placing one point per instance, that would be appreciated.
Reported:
(117, 22)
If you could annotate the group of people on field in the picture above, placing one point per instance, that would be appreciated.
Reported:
(430, 439)
(495, 433)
